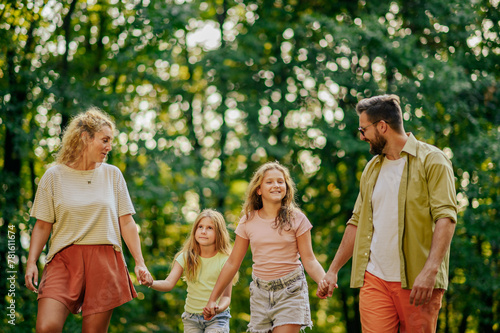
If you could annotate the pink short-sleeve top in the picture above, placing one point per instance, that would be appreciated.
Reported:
(274, 254)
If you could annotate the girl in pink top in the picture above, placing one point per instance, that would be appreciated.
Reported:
(279, 234)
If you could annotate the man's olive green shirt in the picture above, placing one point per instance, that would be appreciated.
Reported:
(426, 194)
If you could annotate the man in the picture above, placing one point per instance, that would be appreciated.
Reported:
(401, 228)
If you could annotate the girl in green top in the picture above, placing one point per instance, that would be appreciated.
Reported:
(201, 259)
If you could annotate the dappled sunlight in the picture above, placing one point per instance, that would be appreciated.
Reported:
(204, 92)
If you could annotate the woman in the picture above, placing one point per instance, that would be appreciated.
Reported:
(85, 204)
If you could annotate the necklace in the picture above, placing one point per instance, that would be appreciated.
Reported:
(93, 172)
(84, 173)
(92, 177)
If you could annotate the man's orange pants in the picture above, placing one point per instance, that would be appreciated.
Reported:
(385, 307)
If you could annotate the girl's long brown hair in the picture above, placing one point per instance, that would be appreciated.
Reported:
(253, 201)
(191, 248)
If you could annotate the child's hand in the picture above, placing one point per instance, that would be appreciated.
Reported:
(210, 310)
(141, 272)
(327, 285)
(146, 279)
(321, 294)
(322, 291)
(148, 282)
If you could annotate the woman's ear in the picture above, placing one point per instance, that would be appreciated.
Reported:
(86, 139)
(259, 192)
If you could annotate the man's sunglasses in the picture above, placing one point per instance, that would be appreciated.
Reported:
(362, 129)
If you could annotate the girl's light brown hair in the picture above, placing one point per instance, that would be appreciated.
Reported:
(191, 248)
(253, 200)
(74, 142)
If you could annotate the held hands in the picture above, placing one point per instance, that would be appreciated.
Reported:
(322, 291)
(210, 310)
(327, 285)
(321, 287)
(143, 274)
(146, 279)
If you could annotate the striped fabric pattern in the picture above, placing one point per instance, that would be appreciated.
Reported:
(83, 205)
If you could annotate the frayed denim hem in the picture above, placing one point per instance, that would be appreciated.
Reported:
(302, 327)
(259, 331)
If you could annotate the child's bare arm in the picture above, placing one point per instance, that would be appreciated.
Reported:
(311, 264)
(171, 280)
(225, 299)
(226, 275)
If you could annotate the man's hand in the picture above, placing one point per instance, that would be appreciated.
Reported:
(327, 285)
(423, 287)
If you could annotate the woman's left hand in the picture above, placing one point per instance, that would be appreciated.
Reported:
(142, 274)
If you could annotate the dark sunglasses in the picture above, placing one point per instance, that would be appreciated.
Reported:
(362, 129)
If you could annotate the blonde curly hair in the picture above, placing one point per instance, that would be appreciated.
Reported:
(73, 142)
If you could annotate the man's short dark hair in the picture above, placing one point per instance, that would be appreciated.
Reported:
(383, 107)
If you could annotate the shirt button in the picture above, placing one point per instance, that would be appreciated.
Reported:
(366, 254)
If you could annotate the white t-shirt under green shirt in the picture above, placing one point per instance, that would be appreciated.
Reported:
(198, 292)
(384, 250)
(83, 205)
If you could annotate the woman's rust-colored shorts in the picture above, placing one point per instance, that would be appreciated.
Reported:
(87, 278)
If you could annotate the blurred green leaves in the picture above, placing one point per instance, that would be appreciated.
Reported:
(205, 91)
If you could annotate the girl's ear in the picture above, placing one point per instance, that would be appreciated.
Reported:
(259, 192)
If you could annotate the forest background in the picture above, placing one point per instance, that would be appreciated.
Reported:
(203, 92)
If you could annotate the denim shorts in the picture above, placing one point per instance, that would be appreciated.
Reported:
(279, 302)
(195, 323)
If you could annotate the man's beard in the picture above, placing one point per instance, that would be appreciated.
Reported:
(377, 146)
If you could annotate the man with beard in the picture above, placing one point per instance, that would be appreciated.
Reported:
(401, 228)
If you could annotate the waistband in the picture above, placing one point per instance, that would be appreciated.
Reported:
(221, 314)
(280, 283)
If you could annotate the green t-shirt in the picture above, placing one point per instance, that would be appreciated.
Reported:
(199, 291)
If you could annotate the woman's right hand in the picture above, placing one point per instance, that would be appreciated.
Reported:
(39, 236)
(31, 277)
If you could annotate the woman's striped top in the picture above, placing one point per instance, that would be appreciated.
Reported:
(83, 205)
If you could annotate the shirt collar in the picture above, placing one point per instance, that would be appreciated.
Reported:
(410, 146)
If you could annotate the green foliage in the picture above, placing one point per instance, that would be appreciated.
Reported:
(277, 80)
